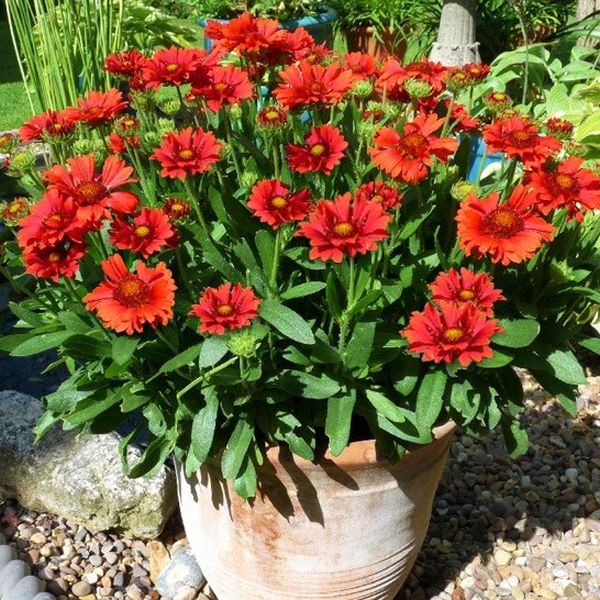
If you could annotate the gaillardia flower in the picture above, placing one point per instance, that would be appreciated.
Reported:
(225, 307)
(322, 151)
(97, 108)
(466, 287)
(381, 192)
(187, 152)
(344, 227)
(145, 234)
(508, 233)
(51, 124)
(451, 332)
(274, 204)
(171, 66)
(408, 155)
(53, 261)
(126, 301)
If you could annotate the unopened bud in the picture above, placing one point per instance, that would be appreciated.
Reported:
(461, 189)
(417, 88)
(242, 344)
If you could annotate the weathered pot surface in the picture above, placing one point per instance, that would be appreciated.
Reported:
(348, 527)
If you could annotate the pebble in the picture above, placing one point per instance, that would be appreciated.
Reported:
(81, 588)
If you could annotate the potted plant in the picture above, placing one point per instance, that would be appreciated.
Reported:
(300, 311)
(312, 15)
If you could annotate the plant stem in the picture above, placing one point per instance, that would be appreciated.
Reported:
(481, 165)
(196, 203)
(276, 259)
(344, 319)
(234, 155)
(202, 377)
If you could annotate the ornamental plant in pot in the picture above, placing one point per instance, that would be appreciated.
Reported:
(299, 311)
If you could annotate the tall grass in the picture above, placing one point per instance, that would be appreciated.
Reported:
(60, 46)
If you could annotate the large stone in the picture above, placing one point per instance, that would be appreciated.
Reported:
(26, 589)
(78, 477)
(182, 578)
(11, 573)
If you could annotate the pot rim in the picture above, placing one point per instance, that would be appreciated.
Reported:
(363, 453)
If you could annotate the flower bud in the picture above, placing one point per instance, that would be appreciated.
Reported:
(573, 148)
(417, 88)
(21, 163)
(8, 141)
(169, 106)
(249, 178)
(366, 130)
(143, 101)
(235, 112)
(87, 146)
(461, 189)
(242, 344)
(12, 212)
(363, 88)
(497, 101)
(165, 126)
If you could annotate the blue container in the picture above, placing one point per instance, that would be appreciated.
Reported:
(320, 26)
(476, 151)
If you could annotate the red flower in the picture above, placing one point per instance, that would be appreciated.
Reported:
(176, 209)
(51, 124)
(225, 85)
(271, 116)
(476, 71)
(497, 101)
(118, 143)
(344, 227)
(126, 64)
(362, 65)
(306, 83)
(323, 150)
(172, 66)
(273, 203)
(225, 307)
(566, 185)
(51, 220)
(15, 210)
(147, 233)
(561, 128)
(97, 108)
(7, 142)
(377, 191)
(407, 156)
(52, 261)
(187, 152)
(393, 76)
(94, 194)
(519, 138)
(466, 287)
(508, 233)
(126, 301)
(460, 116)
(452, 332)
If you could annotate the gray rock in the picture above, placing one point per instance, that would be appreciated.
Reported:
(2, 539)
(11, 573)
(78, 477)
(7, 553)
(43, 596)
(182, 575)
(26, 589)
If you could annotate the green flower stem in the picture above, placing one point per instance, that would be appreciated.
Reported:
(102, 245)
(481, 166)
(276, 259)
(276, 160)
(345, 319)
(182, 269)
(234, 155)
(510, 173)
(204, 376)
(196, 203)
(163, 338)
(445, 128)
(180, 96)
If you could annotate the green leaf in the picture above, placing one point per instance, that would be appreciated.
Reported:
(27, 316)
(338, 422)
(591, 344)
(204, 425)
(123, 349)
(498, 359)
(304, 289)
(265, 244)
(286, 321)
(408, 370)
(430, 399)
(305, 385)
(90, 408)
(494, 414)
(237, 447)
(41, 343)
(360, 345)
(183, 358)
(566, 367)
(154, 456)
(465, 400)
(518, 333)
(245, 483)
(332, 296)
(213, 349)
(299, 446)
(385, 406)
(515, 437)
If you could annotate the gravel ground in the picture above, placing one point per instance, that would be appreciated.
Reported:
(523, 529)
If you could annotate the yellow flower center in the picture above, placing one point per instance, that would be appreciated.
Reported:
(377, 198)
(141, 231)
(499, 96)
(186, 154)
(466, 295)
(14, 208)
(272, 115)
(131, 292)
(343, 228)
(564, 182)
(317, 149)
(225, 310)
(220, 86)
(176, 207)
(54, 257)
(172, 67)
(279, 202)
(453, 334)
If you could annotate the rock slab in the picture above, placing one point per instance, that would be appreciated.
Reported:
(78, 477)
(182, 579)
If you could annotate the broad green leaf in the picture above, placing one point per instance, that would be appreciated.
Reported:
(407, 373)
(515, 437)
(286, 321)
(154, 456)
(27, 316)
(237, 447)
(213, 349)
(203, 426)
(566, 367)
(494, 414)
(123, 348)
(333, 297)
(186, 357)
(265, 244)
(360, 345)
(498, 359)
(591, 344)
(305, 385)
(245, 483)
(299, 446)
(89, 408)
(338, 422)
(465, 400)
(304, 289)
(430, 399)
(518, 334)
(385, 406)
(41, 343)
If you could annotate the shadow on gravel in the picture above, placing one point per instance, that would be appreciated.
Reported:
(487, 498)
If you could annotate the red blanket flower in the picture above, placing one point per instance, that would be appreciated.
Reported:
(145, 234)
(377, 191)
(274, 204)
(225, 85)
(51, 124)
(171, 66)
(52, 261)
(97, 108)
(323, 151)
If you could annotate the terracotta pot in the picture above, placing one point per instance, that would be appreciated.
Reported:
(348, 527)
(363, 39)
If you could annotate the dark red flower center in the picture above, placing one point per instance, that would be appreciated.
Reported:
(56, 128)
(220, 87)
(316, 87)
(186, 154)
(523, 139)
(503, 222)
(377, 198)
(54, 257)
(279, 202)
(564, 182)
(225, 310)
(132, 292)
(317, 149)
(453, 335)
(412, 142)
(466, 295)
(90, 192)
(343, 229)
(141, 231)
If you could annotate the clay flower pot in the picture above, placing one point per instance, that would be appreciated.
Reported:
(363, 39)
(348, 527)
